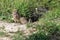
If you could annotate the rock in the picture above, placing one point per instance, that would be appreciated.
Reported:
(15, 27)
(5, 38)
(11, 27)
(22, 27)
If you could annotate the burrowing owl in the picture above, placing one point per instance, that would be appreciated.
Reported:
(17, 18)
(15, 15)
(23, 20)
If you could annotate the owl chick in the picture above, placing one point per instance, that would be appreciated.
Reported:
(23, 20)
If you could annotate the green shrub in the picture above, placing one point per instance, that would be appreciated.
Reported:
(53, 3)
(23, 7)
(2, 34)
(38, 36)
(45, 31)
(18, 36)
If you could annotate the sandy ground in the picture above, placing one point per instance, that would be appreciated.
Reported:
(14, 27)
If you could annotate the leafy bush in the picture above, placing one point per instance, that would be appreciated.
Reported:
(2, 34)
(18, 36)
(53, 3)
(23, 7)
(45, 30)
(38, 36)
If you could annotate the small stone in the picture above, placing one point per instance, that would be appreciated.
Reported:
(27, 32)
(32, 30)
